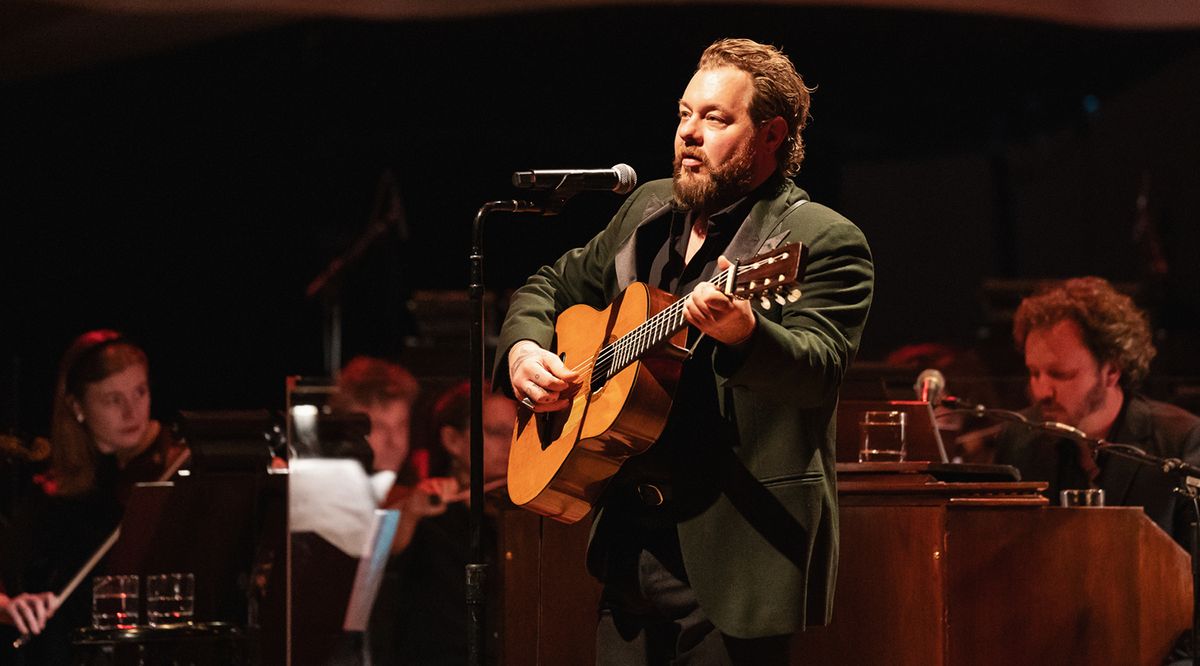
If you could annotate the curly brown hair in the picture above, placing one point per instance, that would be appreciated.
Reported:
(778, 90)
(1114, 329)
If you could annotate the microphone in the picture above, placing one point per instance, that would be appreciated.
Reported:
(930, 386)
(621, 178)
(1064, 429)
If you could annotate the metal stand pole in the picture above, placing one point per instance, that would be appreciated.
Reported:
(387, 213)
(1194, 550)
(477, 568)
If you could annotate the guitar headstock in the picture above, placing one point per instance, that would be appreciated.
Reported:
(770, 274)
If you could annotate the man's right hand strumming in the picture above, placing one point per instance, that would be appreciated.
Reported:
(539, 379)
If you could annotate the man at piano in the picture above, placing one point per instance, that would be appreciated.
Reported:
(1088, 348)
(720, 540)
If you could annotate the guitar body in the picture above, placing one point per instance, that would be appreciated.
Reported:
(629, 356)
(560, 462)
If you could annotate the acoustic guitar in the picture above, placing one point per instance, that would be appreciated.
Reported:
(629, 356)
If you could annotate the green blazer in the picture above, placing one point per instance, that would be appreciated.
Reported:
(762, 557)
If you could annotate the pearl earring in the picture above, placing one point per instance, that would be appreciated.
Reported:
(79, 417)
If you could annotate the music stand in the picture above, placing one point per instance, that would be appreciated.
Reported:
(223, 520)
(229, 441)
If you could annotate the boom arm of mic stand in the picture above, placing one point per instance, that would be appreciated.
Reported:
(959, 406)
(347, 258)
(1190, 474)
(1053, 427)
(386, 213)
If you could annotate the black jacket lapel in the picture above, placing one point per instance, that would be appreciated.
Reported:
(625, 261)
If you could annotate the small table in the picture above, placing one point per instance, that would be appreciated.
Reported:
(195, 644)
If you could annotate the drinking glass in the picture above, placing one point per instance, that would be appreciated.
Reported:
(114, 602)
(170, 598)
(882, 437)
(1082, 497)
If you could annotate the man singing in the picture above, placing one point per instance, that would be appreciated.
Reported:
(721, 540)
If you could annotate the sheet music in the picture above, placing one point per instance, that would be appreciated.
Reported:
(335, 499)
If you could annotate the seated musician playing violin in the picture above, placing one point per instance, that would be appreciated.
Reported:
(102, 442)
(432, 619)
(386, 392)
(720, 539)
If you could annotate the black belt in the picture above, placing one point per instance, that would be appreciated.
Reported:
(637, 495)
(646, 505)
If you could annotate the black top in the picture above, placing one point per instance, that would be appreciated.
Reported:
(431, 620)
(670, 462)
(1159, 429)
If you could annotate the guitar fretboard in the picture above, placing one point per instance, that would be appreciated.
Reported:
(620, 353)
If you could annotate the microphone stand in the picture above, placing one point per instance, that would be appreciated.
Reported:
(386, 212)
(1187, 480)
(476, 570)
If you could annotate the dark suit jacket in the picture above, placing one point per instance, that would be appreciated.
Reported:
(762, 553)
(1159, 429)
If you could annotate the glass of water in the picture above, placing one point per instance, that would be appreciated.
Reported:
(170, 598)
(1084, 497)
(115, 602)
(882, 437)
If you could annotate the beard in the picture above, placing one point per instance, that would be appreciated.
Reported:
(1092, 400)
(715, 186)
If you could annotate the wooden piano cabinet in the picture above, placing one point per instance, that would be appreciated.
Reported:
(932, 573)
(976, 574)
(550, 600)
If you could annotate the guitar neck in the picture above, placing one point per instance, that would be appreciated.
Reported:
(765, 274)
(623, 351)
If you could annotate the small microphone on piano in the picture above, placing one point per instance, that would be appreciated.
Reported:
(930, 386)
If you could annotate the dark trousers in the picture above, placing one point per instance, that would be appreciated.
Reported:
(649, 615)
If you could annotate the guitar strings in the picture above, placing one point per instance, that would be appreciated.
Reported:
(638, 332)
(633, 344)
(629, 342)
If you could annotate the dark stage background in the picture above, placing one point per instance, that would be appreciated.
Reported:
(188, 197)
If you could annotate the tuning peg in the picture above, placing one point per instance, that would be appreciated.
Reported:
(780, 299)
(753, 284)
(766, 303)
(793, 296)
